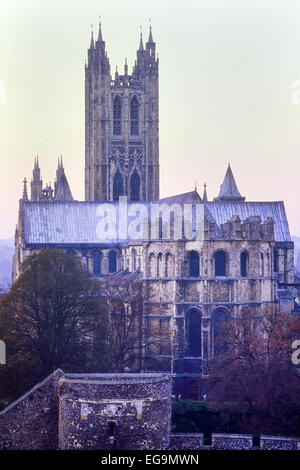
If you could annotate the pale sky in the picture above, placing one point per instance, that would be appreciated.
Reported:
(227, 71)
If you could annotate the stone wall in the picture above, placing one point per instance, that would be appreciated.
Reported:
(31, 422)
(231, 441)
(114, 411)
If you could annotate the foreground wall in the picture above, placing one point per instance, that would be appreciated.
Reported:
(31, 422)
(114, 411)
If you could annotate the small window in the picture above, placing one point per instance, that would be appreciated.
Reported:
(220, 263)
(112, 262)
(194, 264)
(135, 186)
(244, 263)
(97, 263)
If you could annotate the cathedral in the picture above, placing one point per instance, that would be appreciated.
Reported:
(245, 258)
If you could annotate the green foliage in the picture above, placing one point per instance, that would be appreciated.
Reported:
(48, 320)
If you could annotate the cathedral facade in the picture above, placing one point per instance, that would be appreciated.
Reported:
(245, 258)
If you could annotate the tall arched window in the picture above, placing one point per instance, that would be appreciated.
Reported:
(244, 264)
(194, 264)
(276, 259)
(135, 186)
(134, 116)
(194, 333)
(219, 317)
(97, 263)
(117, 116)
(262, 267)
(118, 187)
(112, 262)
(220, 263)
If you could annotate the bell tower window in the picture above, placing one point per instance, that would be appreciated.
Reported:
(117, 114)
(134, 116)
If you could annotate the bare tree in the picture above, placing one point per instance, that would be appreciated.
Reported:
(254, 366)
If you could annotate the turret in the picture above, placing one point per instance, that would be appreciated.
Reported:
(36, 182)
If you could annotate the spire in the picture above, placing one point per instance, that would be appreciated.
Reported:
(25, 195)
(229, 190)
(150, 39)
(63, 192)
(125, 68)
(141, 48)
(92, 45)
(100, 38)
(204, 193)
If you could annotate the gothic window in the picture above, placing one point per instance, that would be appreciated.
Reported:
(276, 256)
(135, 186)
(220, 263)
(219, 317)
(134, 116)
(194, 333)
(118, 187)
(97, 263)
(112, 262)
(117, 114)
(194, 264)
(244, 264)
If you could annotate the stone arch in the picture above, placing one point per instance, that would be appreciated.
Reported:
(118, 185)
(135, 186)
(220, 263)
(193, 329)
(169, 262)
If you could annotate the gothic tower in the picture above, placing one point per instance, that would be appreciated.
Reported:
(121, 126)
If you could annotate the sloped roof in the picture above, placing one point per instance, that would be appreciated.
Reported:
(63, 190)
(74, 222)
(222, 211)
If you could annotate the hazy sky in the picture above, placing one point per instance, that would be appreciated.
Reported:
(227, 72)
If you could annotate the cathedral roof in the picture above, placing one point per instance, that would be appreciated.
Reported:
(222, 211)
(229, 190)
(76, 223)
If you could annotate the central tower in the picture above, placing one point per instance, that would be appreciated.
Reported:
(121, 126)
